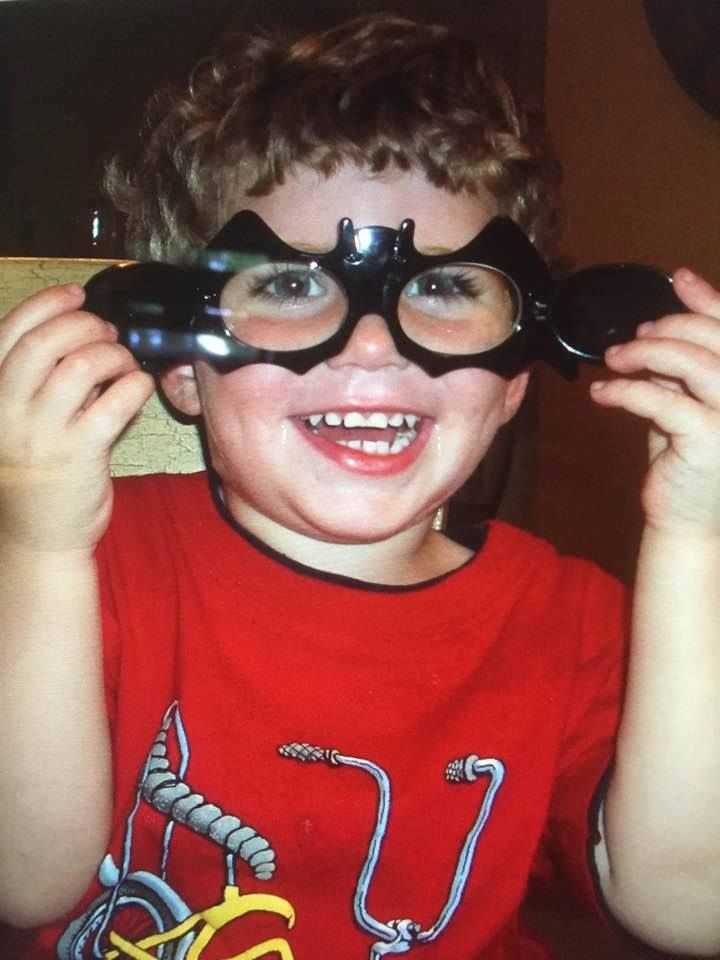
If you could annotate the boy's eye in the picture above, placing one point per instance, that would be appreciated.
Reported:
(459, 308)
(283, 306)
(444, 284)
(287, 283)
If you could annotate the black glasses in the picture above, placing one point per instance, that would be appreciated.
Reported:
(251, 298)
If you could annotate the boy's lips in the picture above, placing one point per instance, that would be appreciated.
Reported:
(370, 441)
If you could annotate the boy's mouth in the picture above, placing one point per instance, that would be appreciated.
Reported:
(376, 432)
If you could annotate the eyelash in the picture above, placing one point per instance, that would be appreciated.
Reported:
(259, 285)
(464, 283)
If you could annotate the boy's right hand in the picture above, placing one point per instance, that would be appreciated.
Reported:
(67, 391)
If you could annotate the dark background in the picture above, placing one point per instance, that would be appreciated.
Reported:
(74, 75)
(688, 37)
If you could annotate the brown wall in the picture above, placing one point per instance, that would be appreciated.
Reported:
(642, 182)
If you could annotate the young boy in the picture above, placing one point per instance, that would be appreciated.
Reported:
(326, 729)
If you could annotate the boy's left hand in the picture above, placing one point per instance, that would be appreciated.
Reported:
(670, 375)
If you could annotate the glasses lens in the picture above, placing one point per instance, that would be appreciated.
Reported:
(600, 306)
(282, 305)
(459, 308)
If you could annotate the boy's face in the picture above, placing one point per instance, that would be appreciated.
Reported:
(283, 471)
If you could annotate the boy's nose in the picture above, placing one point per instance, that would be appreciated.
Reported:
(370, 345)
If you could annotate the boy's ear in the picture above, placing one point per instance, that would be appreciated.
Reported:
(514, 395)
(180, 386)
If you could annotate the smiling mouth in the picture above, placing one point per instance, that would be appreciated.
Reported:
(376, 433)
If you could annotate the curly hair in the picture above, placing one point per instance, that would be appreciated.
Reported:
(379, 91)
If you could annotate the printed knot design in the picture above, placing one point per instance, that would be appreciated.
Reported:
(307, 753)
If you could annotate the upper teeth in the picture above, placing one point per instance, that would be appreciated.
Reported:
(356, 419)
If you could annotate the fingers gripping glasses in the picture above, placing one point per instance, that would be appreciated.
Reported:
(251, 298)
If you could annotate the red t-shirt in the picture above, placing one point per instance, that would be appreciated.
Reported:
(230, 670)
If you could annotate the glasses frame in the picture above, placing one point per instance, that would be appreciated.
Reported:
(169, 313)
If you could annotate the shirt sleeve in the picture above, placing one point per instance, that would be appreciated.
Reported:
(567, 851)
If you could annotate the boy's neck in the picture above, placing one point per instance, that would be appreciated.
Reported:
(414, 555)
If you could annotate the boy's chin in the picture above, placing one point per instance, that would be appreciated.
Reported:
(366, 530)
(343, 530)
(341, 520)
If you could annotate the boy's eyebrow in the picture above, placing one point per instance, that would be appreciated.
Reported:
(304, 246)
(308, 247)
(314, 248)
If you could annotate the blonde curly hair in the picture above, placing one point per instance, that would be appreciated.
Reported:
(379, 91)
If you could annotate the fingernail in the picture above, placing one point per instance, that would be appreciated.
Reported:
(74, 288)
(597, 385)
(644, 328)
(686, 275)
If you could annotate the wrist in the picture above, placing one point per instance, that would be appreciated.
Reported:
(35, 558)
(681, 538)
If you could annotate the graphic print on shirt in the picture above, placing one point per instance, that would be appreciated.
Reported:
(401, 935)
(140, 915)
(139, 899)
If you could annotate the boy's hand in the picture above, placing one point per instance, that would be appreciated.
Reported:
(670, 374)
(67, 390)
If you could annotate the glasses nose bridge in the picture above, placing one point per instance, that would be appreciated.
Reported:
(372, 286)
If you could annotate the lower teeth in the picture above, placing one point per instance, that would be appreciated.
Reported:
(380, 447)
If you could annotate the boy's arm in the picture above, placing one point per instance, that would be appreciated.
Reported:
(659, 862)
(59, 421)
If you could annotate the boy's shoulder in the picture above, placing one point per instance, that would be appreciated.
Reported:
(160, 504)
(539, 579)
(159, 481)
(515, 546)
(143, 489)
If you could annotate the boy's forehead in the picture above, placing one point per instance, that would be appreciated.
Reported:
(305, 210)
